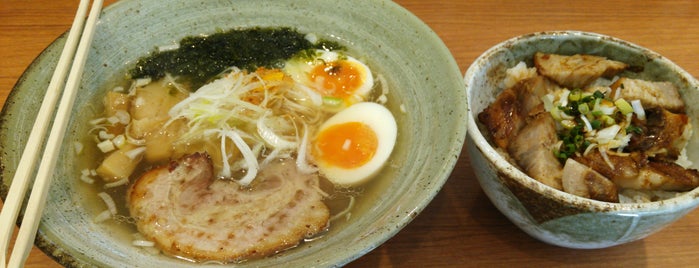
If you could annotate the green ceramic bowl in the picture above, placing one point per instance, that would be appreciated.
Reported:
(543, 212)
(423, 77)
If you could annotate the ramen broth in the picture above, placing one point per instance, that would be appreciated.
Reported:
(344, 202)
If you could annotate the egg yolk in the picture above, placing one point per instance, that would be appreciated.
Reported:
(338, 79)
(348, 145)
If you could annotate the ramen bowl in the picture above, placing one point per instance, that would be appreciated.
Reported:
(426, 96)
(541, 211)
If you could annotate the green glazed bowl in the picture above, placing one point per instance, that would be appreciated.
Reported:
(423, 76)
(543, 212)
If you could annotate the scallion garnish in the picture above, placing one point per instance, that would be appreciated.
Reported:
(634, 129)
(585, 119)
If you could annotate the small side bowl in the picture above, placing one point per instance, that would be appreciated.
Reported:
(543, 212)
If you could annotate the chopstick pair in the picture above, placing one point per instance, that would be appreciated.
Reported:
(75, 60)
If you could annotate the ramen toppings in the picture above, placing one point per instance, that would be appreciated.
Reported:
(234, 169)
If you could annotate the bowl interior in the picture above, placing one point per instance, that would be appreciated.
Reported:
(423, 77)
(484, 76)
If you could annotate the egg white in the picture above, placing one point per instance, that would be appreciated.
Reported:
(382, 122)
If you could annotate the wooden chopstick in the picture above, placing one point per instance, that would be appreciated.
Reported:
(21, 179)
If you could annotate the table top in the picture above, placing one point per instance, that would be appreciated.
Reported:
(460, 227)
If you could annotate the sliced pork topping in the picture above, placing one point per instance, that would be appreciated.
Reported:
(581, 180)
(507, 115)
(532, 148)
(662, 134)
(669, 176)
(503, 118)
(635, 171)
(576, 71)
(651, 94)
(188, 213)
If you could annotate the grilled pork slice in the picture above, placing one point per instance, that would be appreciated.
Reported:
(188, 213)
(576, 71)
(635, 171)
(583, 181)
(652, 94)
(532, 149)
(503, 118)
(506, 116)
(673, 177)
(663, 134)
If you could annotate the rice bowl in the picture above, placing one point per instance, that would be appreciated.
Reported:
(541, 211)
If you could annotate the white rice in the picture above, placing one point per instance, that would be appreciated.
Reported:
(518, 73)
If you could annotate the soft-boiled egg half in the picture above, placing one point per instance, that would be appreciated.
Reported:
(354, 144)
(340, 79)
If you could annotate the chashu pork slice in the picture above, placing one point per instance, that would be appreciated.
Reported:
(635, 171)
(576, 71)
(583, 181)
(663, 134)
(188, 213)
(651, 94)
(532, 149)
(507, 114)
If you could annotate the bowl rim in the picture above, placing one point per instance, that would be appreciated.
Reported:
(689, 198)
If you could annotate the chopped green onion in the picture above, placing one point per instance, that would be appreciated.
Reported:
(564, 98)
(595, 105)
(589, 120)
(583, 108)
(638, 109)
(608, 120)
(598, 94)
(568, 123)
(575, 95)
(588, 125)
(548, 102)
(332, 101)
(560, 155)
(634, 129)
(585, 144)
(624, 106)
(556, 114)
